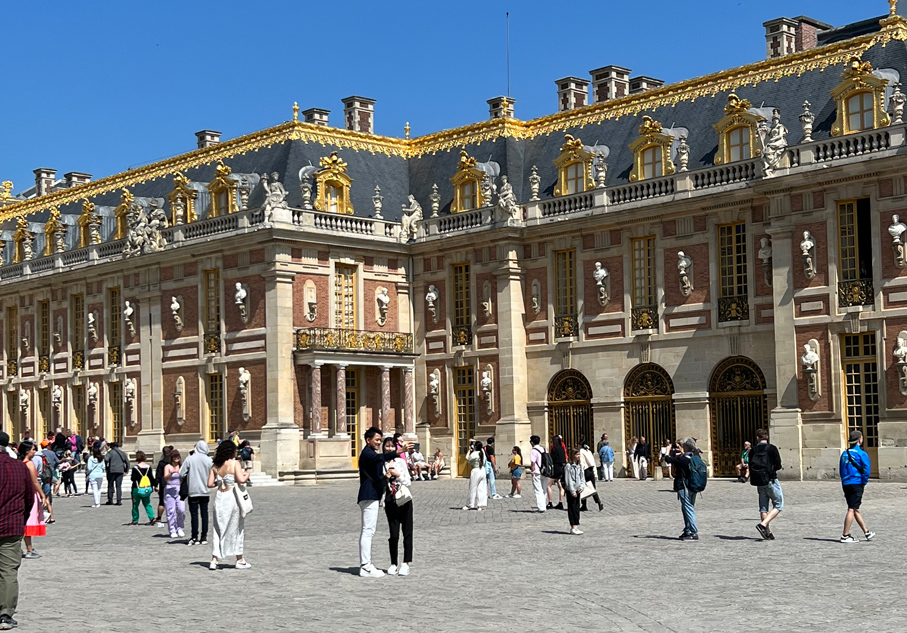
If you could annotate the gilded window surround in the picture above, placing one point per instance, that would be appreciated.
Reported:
(572, 152)
(50, 229)
(333, 174)
(467, 172)
(857, 78)
(126, 199)
(736, 115)
(894, 28)
(182, 191)
(650, 135)
(19, 236)
(87, 218)
(222, 183)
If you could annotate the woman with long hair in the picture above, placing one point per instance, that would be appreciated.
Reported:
(559, 457)
(587, 461)
(478, 485)
(170, 484)
(398, 516)
(34, 526)
(94, 475)
(574, 482)
(516, 472)
(142, 474)
(159, 475)
(229, 525)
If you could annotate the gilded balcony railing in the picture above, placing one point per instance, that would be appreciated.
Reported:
(855, 292)
(644, 318)
(342, 340)
(736, 308)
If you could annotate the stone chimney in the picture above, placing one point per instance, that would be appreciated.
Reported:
(316, 116)
(644, 84)
(359, 114)
(500, 107)
(75, 178)
(784, 36)
(44, 180)
(610, 82)
(572, 92)
(207, 138)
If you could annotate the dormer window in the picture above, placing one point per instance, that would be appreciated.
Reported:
(860, 99)
(738, 132)
(651, 152)
(651, 162)
(574, 168)
(469, 195)
(87, 221)
(738, 140)
(126, 199)
(223, 192)
(333, 186)
(182, 200)
(467, 188)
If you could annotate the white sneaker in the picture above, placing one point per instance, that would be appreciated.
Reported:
(434, 476)
(404, 570)
(370, 571)
(392, 570)
(517, 496)
(180, 533)
(212, 565)
(576, 531)
(466, 507)
(242, 564)
(497, 497)
(173, 535)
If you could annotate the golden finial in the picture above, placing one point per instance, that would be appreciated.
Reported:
(295, 110)
(893, 6)
(504, 104)
(406, 130)
(6, 192)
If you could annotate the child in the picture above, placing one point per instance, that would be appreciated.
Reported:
(574, 482)
(516, 472)
(67, 471)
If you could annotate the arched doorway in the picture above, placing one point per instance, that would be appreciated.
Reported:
(649, 411)
(570, 407)
(738, 407)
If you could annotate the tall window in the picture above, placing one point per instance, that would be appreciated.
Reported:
(861, 377)
(334, 198)
(565, 278)
(860, 115)
(465, 392)
(78, 403)
(44, 335)
(739, 143)
(212, 311)
(462, 333)
(575, 181)
(116, 412)
(115, 312)
(44, 411)
(732, 259)
(78, 331)
(345, 297)
(469, 195)
(643, 272)
(352, 411)
(651, 162)
(855, 253)
(15, 415)
(215, 407)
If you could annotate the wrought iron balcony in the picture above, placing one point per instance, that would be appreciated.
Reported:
(565, 326)
(644, 318)
(212, 343)
(461, 335)
(12, 368)
(856, 292)
(113, 356)
(43, 363)
(736, 308)
(78, 360)
(341, 340)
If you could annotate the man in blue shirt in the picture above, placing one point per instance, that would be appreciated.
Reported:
(854, 469)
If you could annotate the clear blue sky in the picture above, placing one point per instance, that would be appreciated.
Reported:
(97, 86)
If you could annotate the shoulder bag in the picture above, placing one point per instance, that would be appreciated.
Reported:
(243, 500)
(401, 493)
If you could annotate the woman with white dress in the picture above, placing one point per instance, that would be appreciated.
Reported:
(478, 485)
(631, 459)
(228, 520)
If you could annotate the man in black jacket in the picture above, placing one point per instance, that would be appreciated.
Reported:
(643, 454)
(372, 484)
(765, 462)
(116, 463)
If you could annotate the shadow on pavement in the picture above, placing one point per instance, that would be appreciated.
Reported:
(824, 540)
(352, 571)
(737, 538)
(660, 537)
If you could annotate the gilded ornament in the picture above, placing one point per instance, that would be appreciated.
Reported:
(736, 105)
(6, 192)
(649, 126)
(295, 111)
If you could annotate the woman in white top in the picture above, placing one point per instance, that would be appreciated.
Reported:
(229, 525)
(631, 459)
(587, 461)
(478, 486)
(666, 467)
(398, 515)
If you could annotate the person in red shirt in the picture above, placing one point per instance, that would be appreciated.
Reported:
(17, 494)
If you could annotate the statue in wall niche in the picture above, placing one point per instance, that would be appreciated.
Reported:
(765, 254)
(434, 391)
(129, 391)
(896, 102)
(684, 264)
(175, 310)
(239, 298)
(92, 393)
(486, 384)
(57, 397)
(775, 145)
(810, 362)
(808, 252)
(60, 238)
(23, 400)
(507, 203)
(536, 304)
(92, 331)
(488, 189)
(377, 202)
(806, 121)
(896, 231)
(600, 274)
(435, 199)
(245, 378)
(682, 157)
(179, 210)
(900, 361)
(128, 311)
(409, 221)
(431, 299)
(534, 182)
(384, 300)
(275, 195)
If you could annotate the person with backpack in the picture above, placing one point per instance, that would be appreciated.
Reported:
(46, 463)
(116, 462)
(541, 469)
(143, 484)
(491, 465)
(245, 456)
(764, 464)
(854, 469)
(162, 464)
(689, 481)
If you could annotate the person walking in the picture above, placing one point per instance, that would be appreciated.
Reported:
(170, 484)
(574, 483)
(682, 458)
(765, 462)
(372, 484)
(598, 450)
(516, 473)
(34, 525)
(46, 463)
(587, 461)
(539, 483)
(643, 454)
(665, 467)
(477, 498)
(17, 496)
(68, 469)
(606, 455)
(229, 523)
(117, 464)
(195, 471)
(143, 485)
(491, 466)
(94, 475)
(632, 465)
(559, 457)
(59, 444)
(854, 468)
(162, 463)
(399, 515)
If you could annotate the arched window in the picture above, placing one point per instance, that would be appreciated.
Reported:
(860, 111)
(651, 152)
(467, 192)
(333, 186)
(860, 98)
(738, 132)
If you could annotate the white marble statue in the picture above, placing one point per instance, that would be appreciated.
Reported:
(23, 400)
(601, 171)
(128, 311)
(486, 384)
(92, 330)
(809, 358)
(377, 202)
(435, 199)
(896, 231)
(900, 361)
(684, 264)
(176, 311)
(536, 304)
(808, 251)
(129, 390)
(896, 102)
(239, 298)
(384, 300)
(765, 254)
(275, 195)
(775, 145)
(409, 221)
(245, 379)
(534, 182)
(810, 362)
(431, 300)
(305, 188)
(507, 204)
(434, 391)
(600, 274)
(60, 238)
(244, 191)
(682, 157)
(94, 231)
(57, 397)
(136, 236)
(28, 252)
(806, 121)
(179, 210)
(92, 393)
(488, 190)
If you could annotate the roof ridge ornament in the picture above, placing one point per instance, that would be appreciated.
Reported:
(892, 7)
(736, 105)
(649, 126)
(856, 68)
(295, 111)
(6, 192)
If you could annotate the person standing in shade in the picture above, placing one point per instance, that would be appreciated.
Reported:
(491, 466)
(117, 464)
(229, 524)
(598, 451)
(539, 483)
(94, 475)
(606, 454)
(666, 467)
(765, 462)
(574, 483)
(854, 468)
(516, 473)
(643, 454)
(632, 464)
(372, 486)
(195, 470)
(398, 516)
(478, 486)
(17, 496)
(143, 486)
(587, 461)
(170, 483)
(559, 457)
(35, 525)
(681, 458)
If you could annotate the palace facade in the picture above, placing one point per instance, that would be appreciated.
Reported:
(696, 259)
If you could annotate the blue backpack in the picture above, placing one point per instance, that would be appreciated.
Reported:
(699, 474)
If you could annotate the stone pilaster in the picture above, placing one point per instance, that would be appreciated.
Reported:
(691, 415)
(385, 399)
(315, 401)
(340, 429)
(150, 389)
(409, 416)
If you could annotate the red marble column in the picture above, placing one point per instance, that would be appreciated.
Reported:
(385, 399)
(408, 404)
(341, 400)
(315, 392)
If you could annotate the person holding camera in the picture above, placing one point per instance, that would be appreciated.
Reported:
(681, 457)
(478, 486)
(398, 514)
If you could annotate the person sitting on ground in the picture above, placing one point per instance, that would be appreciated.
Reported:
(437, 464)
(743, 467)
(417, 463)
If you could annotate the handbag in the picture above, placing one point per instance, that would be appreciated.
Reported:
(243, 500)
(588, 491)
(403, 495)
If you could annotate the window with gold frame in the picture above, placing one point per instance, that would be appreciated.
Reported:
(113, 298)
(644, 310)
(733, 300)
(651, 152)
(44, 328)
(462, 297)
(86, 219)
(78, 323)
(738, 132)
(345, 296)
(860, 99)
(121, 213)
(116, 412)
(332, 184)
(53, 225)
(574, 168)
(182, 195)
(12, 341)
(19, 237)
(46, 423)
(212, 310)
(467, 184)
(215, 393)
(78, 404)
(565, 282)
(352, 411)
(223, 192)
(855, 269)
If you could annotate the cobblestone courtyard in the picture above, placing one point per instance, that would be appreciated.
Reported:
(505, 569)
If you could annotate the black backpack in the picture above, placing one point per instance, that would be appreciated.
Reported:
(47, 471)
(760, 468)
(546, 469)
